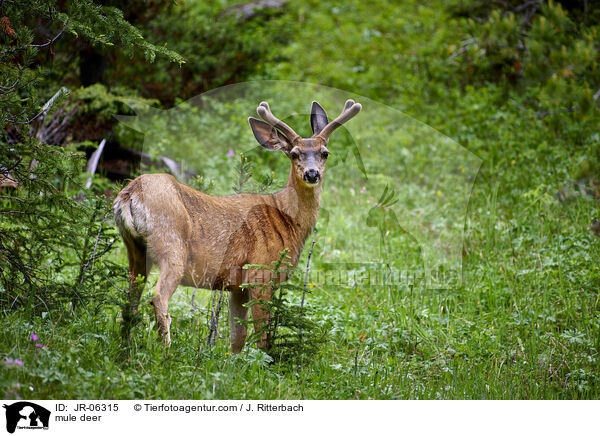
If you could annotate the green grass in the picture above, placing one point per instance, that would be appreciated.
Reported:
(523, 323)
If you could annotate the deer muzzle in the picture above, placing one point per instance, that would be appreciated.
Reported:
(312, 176)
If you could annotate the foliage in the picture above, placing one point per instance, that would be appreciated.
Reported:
(220, 48)
(289, 334)
(539, 44)
(243, 178)
(46, 261)
(32, 30)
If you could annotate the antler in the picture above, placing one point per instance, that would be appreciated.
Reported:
(265, 113)
(350, 110)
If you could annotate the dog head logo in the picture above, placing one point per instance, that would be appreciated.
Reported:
(26, 415)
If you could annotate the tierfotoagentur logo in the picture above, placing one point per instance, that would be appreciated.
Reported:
(25, 415)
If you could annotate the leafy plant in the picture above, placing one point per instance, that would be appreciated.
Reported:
(289, 334)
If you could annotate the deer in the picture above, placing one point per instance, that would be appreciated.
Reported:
(200, 240)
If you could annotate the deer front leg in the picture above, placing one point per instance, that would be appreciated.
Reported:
(237, 299)
(170, 277)
(260, 314)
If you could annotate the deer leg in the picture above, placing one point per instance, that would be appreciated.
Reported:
(260, 314)
(237, 299)
(170, 275)
(137, 280)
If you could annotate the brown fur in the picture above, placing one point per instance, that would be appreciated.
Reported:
(204, 241)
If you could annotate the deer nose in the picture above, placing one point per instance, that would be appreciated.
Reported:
(312, 176)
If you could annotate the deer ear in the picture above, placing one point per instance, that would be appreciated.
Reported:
(267, 135)
(318, 118)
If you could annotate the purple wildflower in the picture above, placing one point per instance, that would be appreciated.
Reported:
(19, 362)
(34, 337)
(231, 153)
(39, 345)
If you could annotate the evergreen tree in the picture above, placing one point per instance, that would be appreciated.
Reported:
(52, 235)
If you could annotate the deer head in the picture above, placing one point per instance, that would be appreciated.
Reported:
(308, 155)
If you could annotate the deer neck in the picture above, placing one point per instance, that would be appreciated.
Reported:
(300, 202)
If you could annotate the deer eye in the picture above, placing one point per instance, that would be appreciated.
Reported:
(294, 155)
(325, 154)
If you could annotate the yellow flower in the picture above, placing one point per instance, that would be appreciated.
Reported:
(312, 285)
(439, 193)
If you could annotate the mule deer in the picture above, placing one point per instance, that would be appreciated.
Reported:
(204, 241)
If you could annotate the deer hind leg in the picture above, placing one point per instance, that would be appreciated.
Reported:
(138, 269)
(237, 299)
(171, 273)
